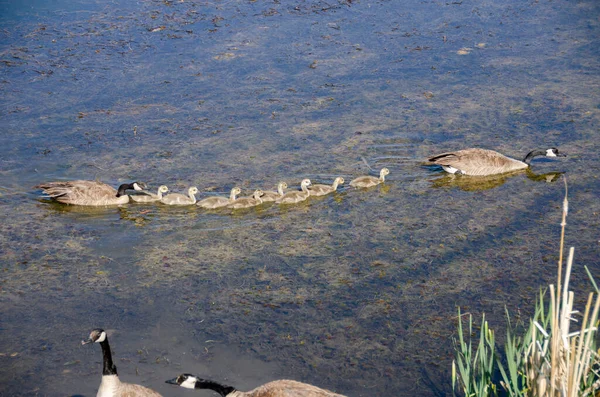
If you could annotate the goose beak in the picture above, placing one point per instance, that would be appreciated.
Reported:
(172, 381)
(85, 342)
(561, 155)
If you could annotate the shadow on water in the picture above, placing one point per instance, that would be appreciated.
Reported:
(356, 291)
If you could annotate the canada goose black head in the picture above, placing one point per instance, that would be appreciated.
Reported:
(97, 335)
(553, 152)
(190, 381)
(184, 380)
(139, 186)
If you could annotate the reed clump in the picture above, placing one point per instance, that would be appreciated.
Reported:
(555, 356)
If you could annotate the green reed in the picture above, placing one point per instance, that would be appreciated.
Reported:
(548, 359)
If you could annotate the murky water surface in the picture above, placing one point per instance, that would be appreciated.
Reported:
(357, 291)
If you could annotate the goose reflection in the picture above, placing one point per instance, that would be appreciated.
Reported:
(478, 183)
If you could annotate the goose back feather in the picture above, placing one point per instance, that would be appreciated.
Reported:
(247, 202)
(368, 181)
(322, 190)
(89, 193)
(219, 201)
(296, 197)
(269, 196)
(181, 199)
(482, 162)
(148, 197)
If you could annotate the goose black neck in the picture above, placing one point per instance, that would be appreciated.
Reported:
(532, 154)
(109, 367)
(123, 188)
(217, 387)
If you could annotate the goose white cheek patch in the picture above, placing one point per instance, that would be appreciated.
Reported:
(189, 383)
(102, 337)
(550, 153)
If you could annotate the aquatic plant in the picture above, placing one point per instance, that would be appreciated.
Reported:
(548, 359)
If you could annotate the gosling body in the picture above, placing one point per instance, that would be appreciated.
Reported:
(368, 181)
(296, 197)
(111, 386)
(483, 162)
(247, 202)
(88, 193)
(277, 388)
(148, 197)
(181, 199)
(322, 190)
(219, 201)
(269, 196)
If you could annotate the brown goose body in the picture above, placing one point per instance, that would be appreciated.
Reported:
(111, 386)
(369, 181)
(482, 162)
(322, 190)
(219, 201)
(89, 193)
(277, 388)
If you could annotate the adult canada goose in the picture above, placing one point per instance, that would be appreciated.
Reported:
(147, 197)
(481, 162)
(368, 181)
(111, 386)
(91, 193)
(321, 190)
(272, 196)
(181, 199)
(277, 388)
(296, 197)
(219, 201)
(247, 202)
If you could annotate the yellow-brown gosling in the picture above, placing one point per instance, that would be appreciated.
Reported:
(277, 388)
(111, 386)
(181, 199)
(219, 201)
(147, 197)
(481, 162)
(296, 197)
(92, 193)
(247, 202)
(272, 196)
(368, 181)
(321, 190)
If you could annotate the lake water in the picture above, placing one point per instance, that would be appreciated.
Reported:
(357, 291)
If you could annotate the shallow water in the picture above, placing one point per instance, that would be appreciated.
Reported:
(357, 291)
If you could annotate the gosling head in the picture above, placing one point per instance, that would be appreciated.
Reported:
(193, 191)
(96, 336)
(553, 152)
(258, 193)
(283, 185)
(184, 380)
(339, 180)
(163, 189)
(305, 183)
(236, 190)
(384, 172)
